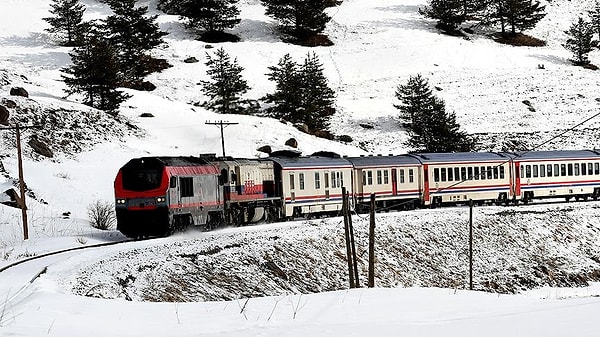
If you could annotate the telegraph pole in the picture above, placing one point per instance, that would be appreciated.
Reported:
(222, 124)
(21, 202)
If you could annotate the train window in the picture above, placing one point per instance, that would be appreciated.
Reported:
(386, 178)
(370, 177)
(583, 169)
(317, 181)
(173, 181)
(535, 171)
(443, 174)
(333, 184)
(476, 172)
(576, 169)
(570, 169)
(483, 172)
(549, 170)
(301, 178)
(563, 170)
(436, 175)
(457, 173)
(411, 176)
(590, 168)
(542, 170)
(463, 173)
(379, 177)
(292, 182)
(496, 172)
(402, 176)
(326, 180)
(450, 175)
(470, 173)
(341, 179)
(186, 186)
(501, 172)
(489, 172)
(364, 175)
(527, 171)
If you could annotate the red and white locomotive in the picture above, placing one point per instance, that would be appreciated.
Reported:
(157, 195)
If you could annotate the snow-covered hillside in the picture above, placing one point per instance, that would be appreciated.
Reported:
(377, 46)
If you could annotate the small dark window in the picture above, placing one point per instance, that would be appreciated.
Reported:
(476, 173)
(386, 178)
(542, 170)
(186, 187)
(556, 170)
(527, 171)
(411, 176)
(450, 175)
(570, 169)
(535, 171)
(563, 170)
(496, 173)
(173, 182)
(549, 170)
(584, 169)
(576, 169)
(436, 174)
(501, 172)
(470, 173)
(443, 174)
(224, 177)
(463, 173)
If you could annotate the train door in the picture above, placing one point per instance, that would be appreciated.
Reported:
(517, 180)
(394, 182)
(426, 191)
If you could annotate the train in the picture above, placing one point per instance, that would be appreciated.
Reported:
(156, 196)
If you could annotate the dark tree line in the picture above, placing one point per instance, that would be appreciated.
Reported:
(107, 54)
(512, 16)
(302, 94)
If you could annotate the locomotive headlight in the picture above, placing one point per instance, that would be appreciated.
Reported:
(120, 201)
(160, 199)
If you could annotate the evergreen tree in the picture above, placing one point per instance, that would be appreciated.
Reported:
(95, 73)
(581, 41)
(317, 98)
(227, 85)
(285, 99)
(301, 18)
(449, 13)
(514, 14)
(210, 16)
(134, 34)
(302, 94)
(594, 14)
(67, 20)
(429, 126)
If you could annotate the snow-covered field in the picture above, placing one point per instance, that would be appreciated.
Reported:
(421, 255)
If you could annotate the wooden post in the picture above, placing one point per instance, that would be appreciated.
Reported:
(354, 260)
(22, 185)
(471, 244)
(372, 244)
(347, 237)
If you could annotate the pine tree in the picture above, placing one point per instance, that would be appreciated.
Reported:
(285, 99)
(514, 14)
(317, 98)
(302, 94)
(134, 34)
(300, 18)
(67, 21)
(95, 73)
(212, 17)
(449, 13)
(226, 86)
(429, 126)
(581, 41)
(594, 14)
(523, 14)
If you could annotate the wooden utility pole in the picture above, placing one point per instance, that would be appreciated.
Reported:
(372, 244)
(471, 244)
(21, 202)
(345, 211)
(222, 124)
(354, 259)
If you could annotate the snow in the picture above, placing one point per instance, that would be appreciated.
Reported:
(536, 264)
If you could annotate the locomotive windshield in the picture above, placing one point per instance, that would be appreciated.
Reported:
(142, 175)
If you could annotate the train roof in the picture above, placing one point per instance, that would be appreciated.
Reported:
(556, 154)
(310, 161)
(180, 161)
(459, 157)
(382, 161)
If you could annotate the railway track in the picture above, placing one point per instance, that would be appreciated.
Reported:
(17, 276)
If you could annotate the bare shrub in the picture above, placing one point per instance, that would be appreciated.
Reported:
(102, 215)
